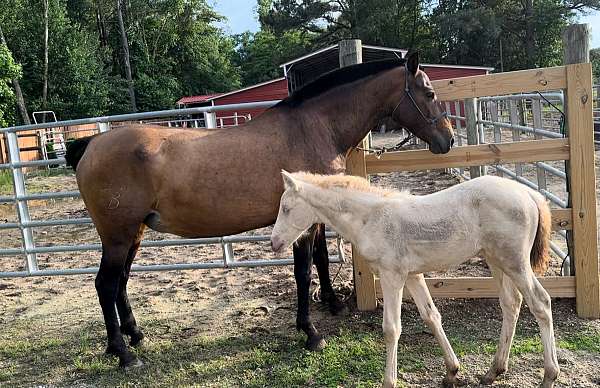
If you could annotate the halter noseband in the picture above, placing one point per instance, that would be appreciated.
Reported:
(433, 121)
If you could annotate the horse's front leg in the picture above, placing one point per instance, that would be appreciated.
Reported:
(321, 259)
(431, 316)
(303, 250)
(392, 285)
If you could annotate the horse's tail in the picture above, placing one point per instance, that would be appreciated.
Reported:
(76, 149)
(540, 253)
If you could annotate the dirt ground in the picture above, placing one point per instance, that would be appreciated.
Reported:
(52, 334)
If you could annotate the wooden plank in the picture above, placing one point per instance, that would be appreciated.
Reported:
(583, 189)
(364, 279)
(476, 155)
(550, 78)
(562, 219)
(485, 287)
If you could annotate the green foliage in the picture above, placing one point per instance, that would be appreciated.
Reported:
(8, 70)
(259, 55)
(595, 59)
(6, 182)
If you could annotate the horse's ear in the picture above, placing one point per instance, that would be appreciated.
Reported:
(412, 62)
(288, 181)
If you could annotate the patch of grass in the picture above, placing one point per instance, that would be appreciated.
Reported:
(6, 182)
(585, 341)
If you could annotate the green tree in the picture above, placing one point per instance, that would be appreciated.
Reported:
(595, 59)
(9, 70)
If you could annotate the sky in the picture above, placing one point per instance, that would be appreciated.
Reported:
(242, 17)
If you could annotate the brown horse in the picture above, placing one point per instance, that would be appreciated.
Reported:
(213, 183)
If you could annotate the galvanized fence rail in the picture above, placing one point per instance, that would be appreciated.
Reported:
(25, 224)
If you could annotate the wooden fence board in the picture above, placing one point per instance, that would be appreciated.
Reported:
(551, 78)
(475, 155)
(485, 287)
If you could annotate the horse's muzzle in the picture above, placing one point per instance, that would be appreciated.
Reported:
(276, 244)
(441, 146)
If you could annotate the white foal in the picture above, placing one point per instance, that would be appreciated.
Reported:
(401, 236)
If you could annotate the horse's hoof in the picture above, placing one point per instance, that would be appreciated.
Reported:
(136, 363)
(336, 307)
(487, 379)
(136, 338)
(128, 360)
(315, 344)
(452, 382)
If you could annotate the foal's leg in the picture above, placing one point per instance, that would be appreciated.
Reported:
(128, 323)
(112, 265)
(539, 302)
(392, 285)
(303, 249)
(510, 302)
(431, 316)
(321, 260)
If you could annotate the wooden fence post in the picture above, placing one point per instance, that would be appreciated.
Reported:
(582, 194)
(472, 132)
(350, 53)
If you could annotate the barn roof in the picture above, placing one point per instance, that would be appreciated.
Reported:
(197, 99)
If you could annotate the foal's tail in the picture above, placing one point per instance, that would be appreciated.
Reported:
(540, 253)
(76, 149)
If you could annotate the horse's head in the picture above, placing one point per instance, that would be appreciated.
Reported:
(417, 109)
(295, 215)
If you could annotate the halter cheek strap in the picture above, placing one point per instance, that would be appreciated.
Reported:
(430, 121)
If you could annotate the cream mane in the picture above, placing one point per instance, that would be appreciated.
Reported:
(345, 182)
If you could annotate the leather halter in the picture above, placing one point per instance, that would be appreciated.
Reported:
(430, 121)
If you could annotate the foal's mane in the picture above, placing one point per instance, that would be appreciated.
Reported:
(345, 182)
(337, 78)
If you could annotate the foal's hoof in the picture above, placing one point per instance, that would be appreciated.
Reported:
(315, 344)
(453, 383)
(487, 379)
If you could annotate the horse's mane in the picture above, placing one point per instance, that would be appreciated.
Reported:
(338, 77)
(346, 182)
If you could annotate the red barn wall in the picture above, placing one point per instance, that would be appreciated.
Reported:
(277, 90)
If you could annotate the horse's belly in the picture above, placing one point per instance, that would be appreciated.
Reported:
(439, 255)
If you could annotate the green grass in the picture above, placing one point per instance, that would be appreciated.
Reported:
(6, 182)
(354, 357)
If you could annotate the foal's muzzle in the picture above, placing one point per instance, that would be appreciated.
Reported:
(276, 244)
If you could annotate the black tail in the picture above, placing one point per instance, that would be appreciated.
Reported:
(76, 149)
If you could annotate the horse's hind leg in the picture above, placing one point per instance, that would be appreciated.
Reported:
(539, 304)
(321, 260)
(431, 316)
(128, 323)
(112, 266)
(510, 303)
(303, 250)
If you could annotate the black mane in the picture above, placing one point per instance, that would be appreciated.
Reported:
(338, 77)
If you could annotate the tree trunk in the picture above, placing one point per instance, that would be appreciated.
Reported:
(529, 35)
(45, 80)
(126, 57)
(102, 34)
(18, 92)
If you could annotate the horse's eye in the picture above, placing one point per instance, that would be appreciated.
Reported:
(285, 210)
(430, 95)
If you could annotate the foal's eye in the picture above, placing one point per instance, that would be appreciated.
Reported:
(430, 95)
(285, 210)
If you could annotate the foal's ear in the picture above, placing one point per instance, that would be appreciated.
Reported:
(412, 62)
(288, 181)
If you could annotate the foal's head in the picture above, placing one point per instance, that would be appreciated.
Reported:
(295, 215)
(419, 110)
